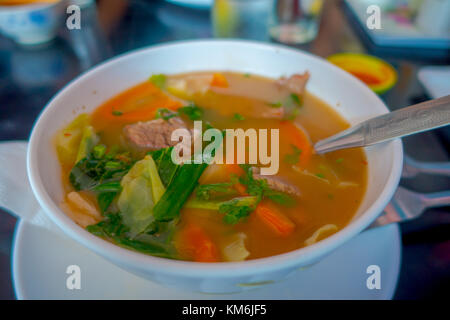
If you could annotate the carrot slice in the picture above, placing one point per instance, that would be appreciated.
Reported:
(237, 170)
(196, 244)
(138, 103)
(274, 219)
(299, 138)
(219, 80)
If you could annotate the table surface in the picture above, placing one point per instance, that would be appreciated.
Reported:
(29, 77)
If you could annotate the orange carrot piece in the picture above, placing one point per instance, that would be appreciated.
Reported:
(196, 244)
(299, 138)
(138, 103)
(237, 170)
(274, 219)
(234, 168)
(219, 80)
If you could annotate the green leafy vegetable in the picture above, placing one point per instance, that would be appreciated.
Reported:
(238, 117)
(158, 80)
(275, 104)
(238, 208)
(166, 167)
(192, 111)
(88, 140)
(234, 210)
(280, 198)
(208, 191)
(294, 157)
(96, 168)
(297, 100)
(165, 114)
(113, 228)
(340, 160)
(181, 186)
(117, 113)
(141, 187)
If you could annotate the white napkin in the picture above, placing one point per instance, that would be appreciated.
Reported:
(16, 195)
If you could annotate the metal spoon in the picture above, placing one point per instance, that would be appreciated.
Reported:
(400, 123)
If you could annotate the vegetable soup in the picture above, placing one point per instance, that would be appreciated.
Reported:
(122, 184)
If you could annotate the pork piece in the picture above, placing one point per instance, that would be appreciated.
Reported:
(154, 134)
(295, 83)
(277, 183)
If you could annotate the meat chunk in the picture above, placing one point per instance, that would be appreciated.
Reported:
(295, 83)
(277, 183)
(154, 134)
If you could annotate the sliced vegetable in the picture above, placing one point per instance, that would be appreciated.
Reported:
(96, 169)
(83, 204)
(88, 140)
(298, 138)
(137, 199)
(139, 103)
(166, 167)
(219, 80)
(274, 219)
(194, 243)
(319, 233)
(215, 190)
(157, 185)
(113, 228)
(182, 185)
(235, 249)
(68, 139)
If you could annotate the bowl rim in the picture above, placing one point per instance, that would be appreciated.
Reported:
(142, 261)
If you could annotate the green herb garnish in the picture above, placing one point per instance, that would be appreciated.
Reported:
(238, 117)
(275, 104)
(297, 100)
(294, 157)
(192, 111)
(214, 190)
(166, 114)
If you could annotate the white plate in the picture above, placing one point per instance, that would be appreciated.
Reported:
(41, 257)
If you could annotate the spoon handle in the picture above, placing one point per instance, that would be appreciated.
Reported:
(400, 123)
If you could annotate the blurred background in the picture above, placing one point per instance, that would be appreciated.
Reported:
(42, 49)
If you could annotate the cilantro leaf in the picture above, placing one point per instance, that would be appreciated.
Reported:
(294, 157)
(192, 111)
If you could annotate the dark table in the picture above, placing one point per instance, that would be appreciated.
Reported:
(29, 77)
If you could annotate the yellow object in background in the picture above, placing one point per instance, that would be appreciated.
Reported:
(377, 74)
(224, 19)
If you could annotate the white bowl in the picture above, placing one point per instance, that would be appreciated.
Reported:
(32, 24)
(339, 89)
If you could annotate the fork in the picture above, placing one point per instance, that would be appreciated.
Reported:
(405, 204)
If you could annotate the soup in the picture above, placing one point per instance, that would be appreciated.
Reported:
(122, 183)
